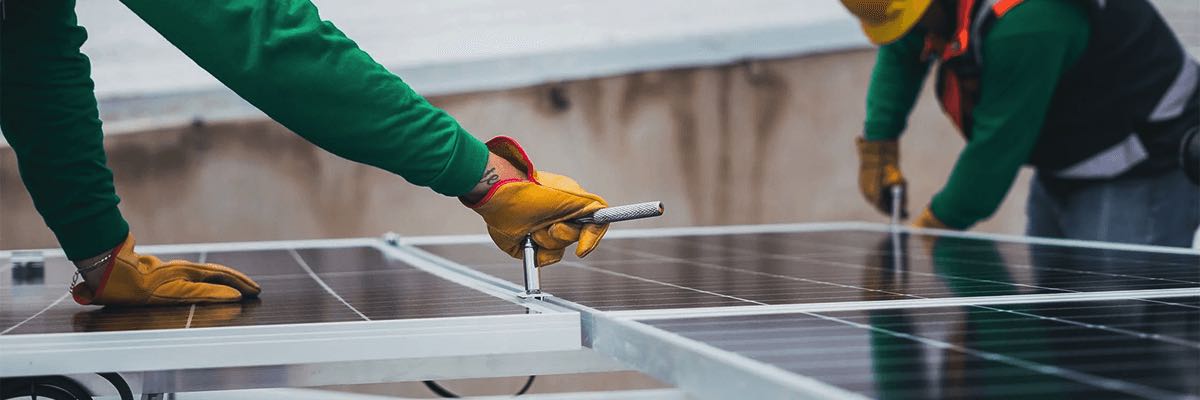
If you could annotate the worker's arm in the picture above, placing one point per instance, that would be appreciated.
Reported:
(299, 70)
(305, 73)
(1025, 54)
(895, 83)
(48, 114)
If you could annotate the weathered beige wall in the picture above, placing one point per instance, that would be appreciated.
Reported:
(761, 142)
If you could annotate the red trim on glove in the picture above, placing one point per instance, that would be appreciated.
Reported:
(508, 141)
(103, 281)
(78, 300)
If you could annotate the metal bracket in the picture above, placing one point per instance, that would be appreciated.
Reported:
(391, 238)
(537, 296)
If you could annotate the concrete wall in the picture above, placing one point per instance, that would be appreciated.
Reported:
(757, 142)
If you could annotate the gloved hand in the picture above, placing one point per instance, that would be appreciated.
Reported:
(878, 171)
(132, 279)
(540, 204)
(928, 220)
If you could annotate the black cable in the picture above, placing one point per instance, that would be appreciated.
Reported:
(118, 382)
(50, 392)
(447, 394)
(439, 390)
(58, 387)
(525, 388)
(58, 392)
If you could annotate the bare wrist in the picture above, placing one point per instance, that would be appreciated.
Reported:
(497, 170)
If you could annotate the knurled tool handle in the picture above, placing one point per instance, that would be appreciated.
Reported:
(623, 213)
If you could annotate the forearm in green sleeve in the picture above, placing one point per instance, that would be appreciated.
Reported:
(983, 174)
(1018, 83)
(307, 75)
(895, 84)
(49, 117)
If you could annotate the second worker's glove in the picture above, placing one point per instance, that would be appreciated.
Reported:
(878, 172)
(928, 220)
(542, 204)
(132, 279)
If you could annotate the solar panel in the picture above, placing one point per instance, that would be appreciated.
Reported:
(829, 266)
(776, 311)
(1120, 348)
(847, 310)
(356, 300)
(362, 284)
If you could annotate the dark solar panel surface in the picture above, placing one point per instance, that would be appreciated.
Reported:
(832, 266)
(1098, 349)
(371, 286)
(1101, 349)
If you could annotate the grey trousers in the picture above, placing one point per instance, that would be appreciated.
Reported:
(1161, 209)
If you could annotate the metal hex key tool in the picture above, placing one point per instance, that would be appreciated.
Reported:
(533, 283)
(897, 213)
(897, 235)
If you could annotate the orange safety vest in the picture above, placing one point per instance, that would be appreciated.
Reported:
(960, 59)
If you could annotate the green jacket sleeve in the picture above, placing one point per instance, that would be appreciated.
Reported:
(48, 114)
(1024, 55)
(304, 73)
(895, 83)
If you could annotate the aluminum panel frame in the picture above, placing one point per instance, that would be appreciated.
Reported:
(703, 371)
(582, 360)
(224, 347)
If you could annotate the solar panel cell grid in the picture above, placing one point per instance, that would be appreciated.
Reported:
(1123, 348)
(299, 286)
(946, 347)
(831, 266)
(603, 289)
(23, 295)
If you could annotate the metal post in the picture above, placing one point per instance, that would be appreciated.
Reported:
(897, 194)
(897, 249)
(533, 282)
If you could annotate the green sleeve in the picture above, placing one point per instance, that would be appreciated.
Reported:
(895, 83)
(48, 114)
(307, 75)
(1024, 55)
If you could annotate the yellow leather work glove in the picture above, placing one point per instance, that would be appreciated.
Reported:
(928, 220)
(131, 279)
(541, 204)
(878, 171)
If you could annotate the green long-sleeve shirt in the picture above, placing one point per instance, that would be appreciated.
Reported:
(1025, 53)
(278, 55)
